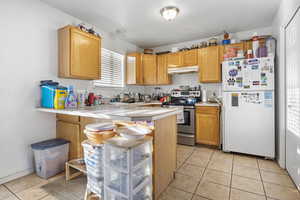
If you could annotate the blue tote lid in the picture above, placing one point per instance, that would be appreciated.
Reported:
(47, 144)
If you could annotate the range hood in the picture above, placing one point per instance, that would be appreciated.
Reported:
(180, 70)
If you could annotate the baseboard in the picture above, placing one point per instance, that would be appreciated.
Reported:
(16, 175)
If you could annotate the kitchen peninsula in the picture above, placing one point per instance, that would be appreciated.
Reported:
(164, 134)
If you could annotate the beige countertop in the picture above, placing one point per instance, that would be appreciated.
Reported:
(128, 112)
(207, 104)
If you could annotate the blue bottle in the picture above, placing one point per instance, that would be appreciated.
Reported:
(71, 100)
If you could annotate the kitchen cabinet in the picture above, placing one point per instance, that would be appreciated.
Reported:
(174, 59)
(71, 128)
(209, 64)
(224, 49)
(134, 71)
(208, 125)
(79, 54)
(190, 58)
(149, 69)
(162, 70)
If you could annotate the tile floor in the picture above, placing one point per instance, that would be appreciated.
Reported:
(202, 174)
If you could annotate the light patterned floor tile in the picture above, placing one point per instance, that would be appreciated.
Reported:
(34, 193)
(242, 195)
(217, 177)
(198, 160)
(271, 166)
(197, 197)
(280, 192)
(25, 182)
(245, 161)
(246, 172)
(246, 184)
(279, 179)
(191, 170)
(213, 191)
(175, 194)
(185, 183)
(224, 166)
(5, 193)
(221, 156)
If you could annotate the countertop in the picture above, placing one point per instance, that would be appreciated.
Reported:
(128, 112)
(207, 104)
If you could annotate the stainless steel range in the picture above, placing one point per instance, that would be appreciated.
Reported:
(187, 129)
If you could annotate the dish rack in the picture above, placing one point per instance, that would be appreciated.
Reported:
(128, 169)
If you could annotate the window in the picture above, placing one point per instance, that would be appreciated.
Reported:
(112, 69)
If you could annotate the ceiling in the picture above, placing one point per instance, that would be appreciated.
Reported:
(139, 21)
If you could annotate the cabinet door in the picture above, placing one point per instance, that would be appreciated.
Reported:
(210, 67)
(134, 73)
(207, 126)
(190, 58)
(85, 55)
(70, 132)
(149, 69)
(174, 59)
(162, 70)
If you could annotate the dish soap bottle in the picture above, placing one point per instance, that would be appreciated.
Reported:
(71, 100)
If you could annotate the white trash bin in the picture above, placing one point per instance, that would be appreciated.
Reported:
(50, 157)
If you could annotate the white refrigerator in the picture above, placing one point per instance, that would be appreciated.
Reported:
(248, 106)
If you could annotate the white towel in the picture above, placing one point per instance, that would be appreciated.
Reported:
(180, 116)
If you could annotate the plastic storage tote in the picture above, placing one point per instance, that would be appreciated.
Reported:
(128, 168)
(93, 158)
(50, 157)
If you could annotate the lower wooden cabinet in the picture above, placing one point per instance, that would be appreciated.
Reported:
(71, 132)
(71, 128)
(208, 125)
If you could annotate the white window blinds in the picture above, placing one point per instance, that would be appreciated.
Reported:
(112, 67)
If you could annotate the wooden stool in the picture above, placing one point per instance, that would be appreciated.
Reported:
(78, 165)
(90, 195)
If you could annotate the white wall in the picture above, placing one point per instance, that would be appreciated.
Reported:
(192, 79)
(283, 16)
(28, 54)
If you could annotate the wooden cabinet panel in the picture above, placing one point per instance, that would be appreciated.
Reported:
(208, 125)
(134, 72)
(67, 118)
(162, 70)
(79, 54)
(210, 67)
(190, 58)
(149, 69)
(70, 132)
(174, 59)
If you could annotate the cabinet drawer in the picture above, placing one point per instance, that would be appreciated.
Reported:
(67, 118)
(207, 109)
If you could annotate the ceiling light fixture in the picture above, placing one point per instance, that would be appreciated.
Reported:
(169, 12)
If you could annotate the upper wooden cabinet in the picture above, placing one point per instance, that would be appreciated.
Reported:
(149, 69)
(190, 58)
(162, 70)
(208, 125)
(183, 58)
(134, 71)
(210, 66)
(224, 49)
(79, 54)
(174, 59)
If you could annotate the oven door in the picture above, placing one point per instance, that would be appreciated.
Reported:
(189, 121)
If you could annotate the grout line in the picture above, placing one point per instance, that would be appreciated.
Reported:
(14, 194)
(230, 185)
(262, 182)
(203, 174)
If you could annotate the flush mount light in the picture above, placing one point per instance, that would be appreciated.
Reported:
(169, 12)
